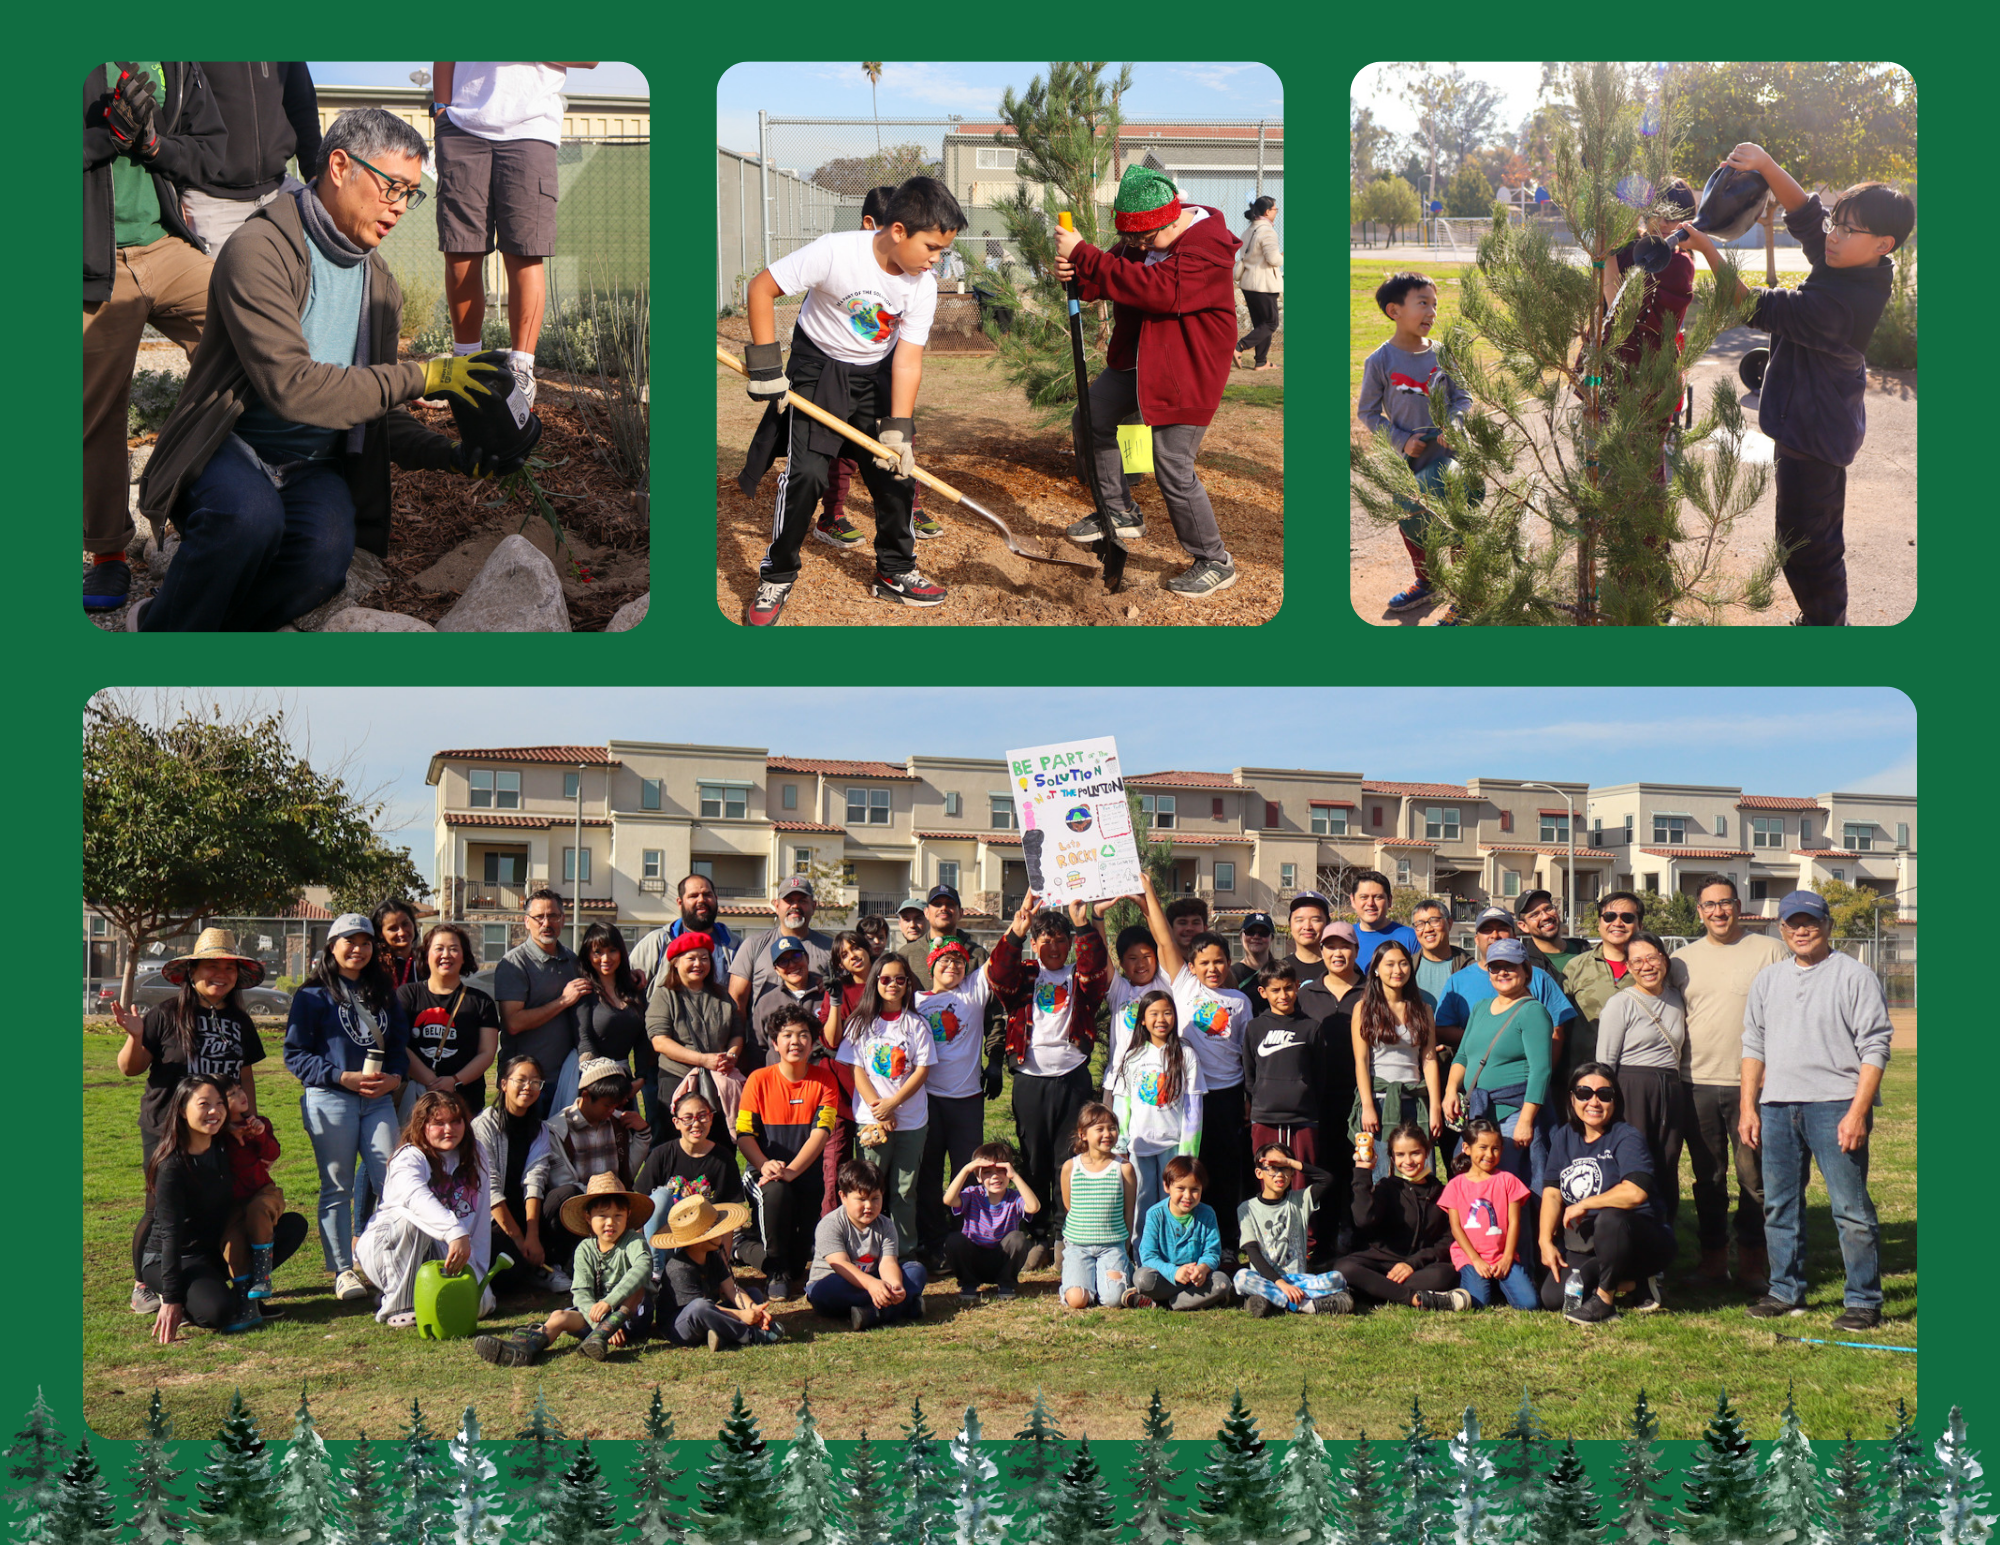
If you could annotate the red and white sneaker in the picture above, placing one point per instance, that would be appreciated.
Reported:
(911, 588)
(768, 602)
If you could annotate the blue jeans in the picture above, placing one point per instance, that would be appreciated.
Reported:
(346, 1131)
(1794, 1135)
(1103, 1272)
(1519, 1291)
(259, 545)
(833, 1295)
(1430, 477)
(1151, 1169)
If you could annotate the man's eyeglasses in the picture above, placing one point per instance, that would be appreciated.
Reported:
(407, 194)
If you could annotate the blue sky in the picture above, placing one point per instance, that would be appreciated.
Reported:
(1160, 91)
(1769, 740)
(618, 79)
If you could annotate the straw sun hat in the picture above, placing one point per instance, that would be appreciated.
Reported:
(215, 944)
(694, 1219)
(605, 1187)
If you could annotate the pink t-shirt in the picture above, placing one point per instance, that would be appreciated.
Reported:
(1481, 1209)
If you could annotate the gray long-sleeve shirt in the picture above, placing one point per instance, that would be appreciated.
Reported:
(1637, 1031)
(1815, 1027)
(1394, 393)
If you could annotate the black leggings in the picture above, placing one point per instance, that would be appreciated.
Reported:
(788, 1211)
(1225, 1154)
(1263, 306)
(1367, 1272)
(208, 1295)
(974, 1263)
(1045, 1116)
(1626, 1245)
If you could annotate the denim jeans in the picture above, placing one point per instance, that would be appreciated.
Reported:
(346, 1131)
(1103, 1272)
(833, 1295)
(1794, 1135)
(1151, 1169)
(1517, 1288)
(259, 545)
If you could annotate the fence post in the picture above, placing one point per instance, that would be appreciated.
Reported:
(764, 183)
(1260, 158)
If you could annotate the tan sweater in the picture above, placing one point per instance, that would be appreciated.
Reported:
(1259, 258)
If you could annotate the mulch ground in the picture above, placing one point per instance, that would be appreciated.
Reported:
(975, 432)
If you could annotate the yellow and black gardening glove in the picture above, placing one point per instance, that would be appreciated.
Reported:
(468, 376)
(485, 399)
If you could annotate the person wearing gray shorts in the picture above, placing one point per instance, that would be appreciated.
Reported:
(498, 126)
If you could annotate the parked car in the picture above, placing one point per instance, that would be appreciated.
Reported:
(153, 989)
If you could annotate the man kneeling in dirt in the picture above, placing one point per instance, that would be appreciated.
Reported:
(275, 462)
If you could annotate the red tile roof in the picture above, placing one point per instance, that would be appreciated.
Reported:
(595, 756)
(1191, 840)
(304, 911)
(805, 826)
(967, 836)
(1404, 842)
(1331, 804)
(808, 764)
(1422, 790)
(516, 822)
(1841, 853)
(1195, 780)
(1697, 852)
(1775, 802)
(1597, 855)
(1559, 810)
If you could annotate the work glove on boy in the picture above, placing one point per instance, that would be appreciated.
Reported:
(895, 436)
(765, 363)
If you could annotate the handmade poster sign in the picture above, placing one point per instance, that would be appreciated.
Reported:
(1076, 826)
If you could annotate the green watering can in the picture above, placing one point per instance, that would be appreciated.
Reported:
(447, 1308)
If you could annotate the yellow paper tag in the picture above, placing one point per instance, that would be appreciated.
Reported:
(1135, 447)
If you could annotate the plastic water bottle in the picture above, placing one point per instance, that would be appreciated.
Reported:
(1573, 1288)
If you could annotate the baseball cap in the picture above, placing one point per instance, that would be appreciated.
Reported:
(1340, 931)
(1491, 916)
(795, 884)
(786, 944)
(1312, 899)
(1259, 920)
(942, 893)
(914, 904)
(1810, 902)
(1529, 900)
(353, 922)
(1507, 951)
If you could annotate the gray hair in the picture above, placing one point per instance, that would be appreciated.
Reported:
(369, 134)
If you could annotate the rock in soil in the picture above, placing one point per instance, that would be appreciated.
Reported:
(630, 615)
(365, 619)
(516, 592)
(365, 575)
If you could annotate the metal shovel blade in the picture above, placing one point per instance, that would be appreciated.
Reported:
(1013, 546)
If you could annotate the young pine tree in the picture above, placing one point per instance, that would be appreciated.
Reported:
(1083, 1512)
(149, 1480)
(1792, 1501)
(869, 1504)
(1423, 1490)
(1639, 1473)
(736, 1500)
(1517, 1460)
(1155, 1508)
(1850, 1499)
(584, 1513)
(1564, 509)
(657, 1520)
(1035, 1462)
(422, 1489)
(1959, 1497)
(35, 1463)
(1566, 1510)
(476, 1493)
(1721, 1484)
(1907, 1492)
(1237, 1502)
(237, 1500)
(83, 1514)
(808, 1490)
(978, 1513)
(1477, 1507)
(1307, 1492)
(923, 1484)
(537, 1458)
(1365, 1508)
(308, 1498)
(369, 1503)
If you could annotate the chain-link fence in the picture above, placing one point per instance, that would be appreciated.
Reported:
(809, 176)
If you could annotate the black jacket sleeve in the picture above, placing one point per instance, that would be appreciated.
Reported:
(302, 112)
(170, 1227)
(1257, 1261)
(1363, 1198)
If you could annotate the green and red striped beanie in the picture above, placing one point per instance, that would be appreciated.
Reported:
(1147, 200)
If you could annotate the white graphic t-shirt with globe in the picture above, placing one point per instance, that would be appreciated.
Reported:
(957, 1019)
(854, 310)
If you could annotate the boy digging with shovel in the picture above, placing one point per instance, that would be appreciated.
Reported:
(1173, 340)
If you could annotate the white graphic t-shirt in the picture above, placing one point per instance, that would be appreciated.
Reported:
(891, 1050)
(1213, 1020)
(1123, 1002)
(854, 311)
(956, 1018)
(1050, 1054)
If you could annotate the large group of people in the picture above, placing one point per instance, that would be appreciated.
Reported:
(274, 464)
(812, 1108)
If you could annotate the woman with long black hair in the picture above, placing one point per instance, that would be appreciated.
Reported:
(1395, 1053)
(611, 1022)
(1262, 279)
(454, 1027)
(395, 925)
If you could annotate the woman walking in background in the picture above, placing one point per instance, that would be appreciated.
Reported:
(1258, 271)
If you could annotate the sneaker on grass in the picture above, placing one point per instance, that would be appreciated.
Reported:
(1854, 1318)
(349, 1287)
(144, 1299)
(1645, 1298)
(1409, 600)
(1130, 525)
(911, 588)
(1205, 578)
(1771, 1307)
(768, 603)
(1451, 1301)
(106, 585)
(1590, 1310)
(1331, 1303)
(837, 531)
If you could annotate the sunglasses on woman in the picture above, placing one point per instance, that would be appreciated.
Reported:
(1591, 1094)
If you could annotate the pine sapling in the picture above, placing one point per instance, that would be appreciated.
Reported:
(1155, 1508)
(584, 1514)
(923, 1485)
(1639, 1473)
(1959, 1495)
(368, 1501)
(309, 1500)
(1908, 1488)
(1308, 1495)
(36, 1460)
(1476, 1506)
(1237, 1502)
(869, 1504)
(1567, 1510)
(979, 1516)
(237, 1499)
(1721, 1484)
(737, 1505)
(476, 1493)
(83, 1514)
(156, 1518)
(1035, 1461)
(809, 1501)
(537, 1459)
(1792, 1501)
(1850, 1502)
(657, 1520)
(1084, 1514)
(1423, 1489)
(1366, 1510)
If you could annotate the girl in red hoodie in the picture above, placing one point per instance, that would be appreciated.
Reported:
(1173, 337)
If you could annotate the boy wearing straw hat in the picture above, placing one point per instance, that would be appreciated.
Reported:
(608, 1279)
(700, 1299)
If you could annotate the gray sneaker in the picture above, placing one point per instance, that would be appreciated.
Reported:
(1205, 578)
(1088, 532)
(144, 1299)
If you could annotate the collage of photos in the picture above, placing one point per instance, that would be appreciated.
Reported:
(1043, 1103)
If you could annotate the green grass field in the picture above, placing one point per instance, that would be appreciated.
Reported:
(1097, 1368)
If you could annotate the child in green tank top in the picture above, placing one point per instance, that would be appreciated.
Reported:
(1098, 1191)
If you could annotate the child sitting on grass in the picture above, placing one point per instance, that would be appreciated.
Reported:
(1405, 1240)
(608, 1279)
(1272, 1226)
(251, 1149)
(1484, 1206)
(699, 1297)
(991, 1202)
(1097, 1192)
(1180, 1247)
(856, 1274)
(783, 1122)
(1395, 403)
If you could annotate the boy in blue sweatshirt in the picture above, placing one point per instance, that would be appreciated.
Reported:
(1180, 1246)
(1812, 401)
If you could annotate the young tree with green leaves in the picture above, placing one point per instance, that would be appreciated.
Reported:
(237, 1501)
(83, 1514)
(1155, 1508)
(1563, 509)
(476, 1493)
(923, 1484)
(36, 1460)
(1959, 1495)
(149, 1480)
(869, 1504)
(422, 1490)
(1791, 1498)
(737, 1504)
(1850, 1499)
(1423, 1489)
(1469, 196)
(584, 1513)
(1517, 1460)
(658, 1517)
(1366, 1507)
(1476, 1503)
(1567, 1510)
(1907, 1487)
(309, 1500)
(809, 1502)
(1237, 1502)
(1308, 1495)
(1083, 1512)
(1639, 1473)
(979, 1515)
(1035, 1460)
(1721, 1483)
(537, 1458)
(364, 1484)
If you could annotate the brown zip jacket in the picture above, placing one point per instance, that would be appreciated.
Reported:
(253, 343)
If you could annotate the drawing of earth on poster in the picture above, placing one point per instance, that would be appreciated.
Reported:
(1076, 826)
